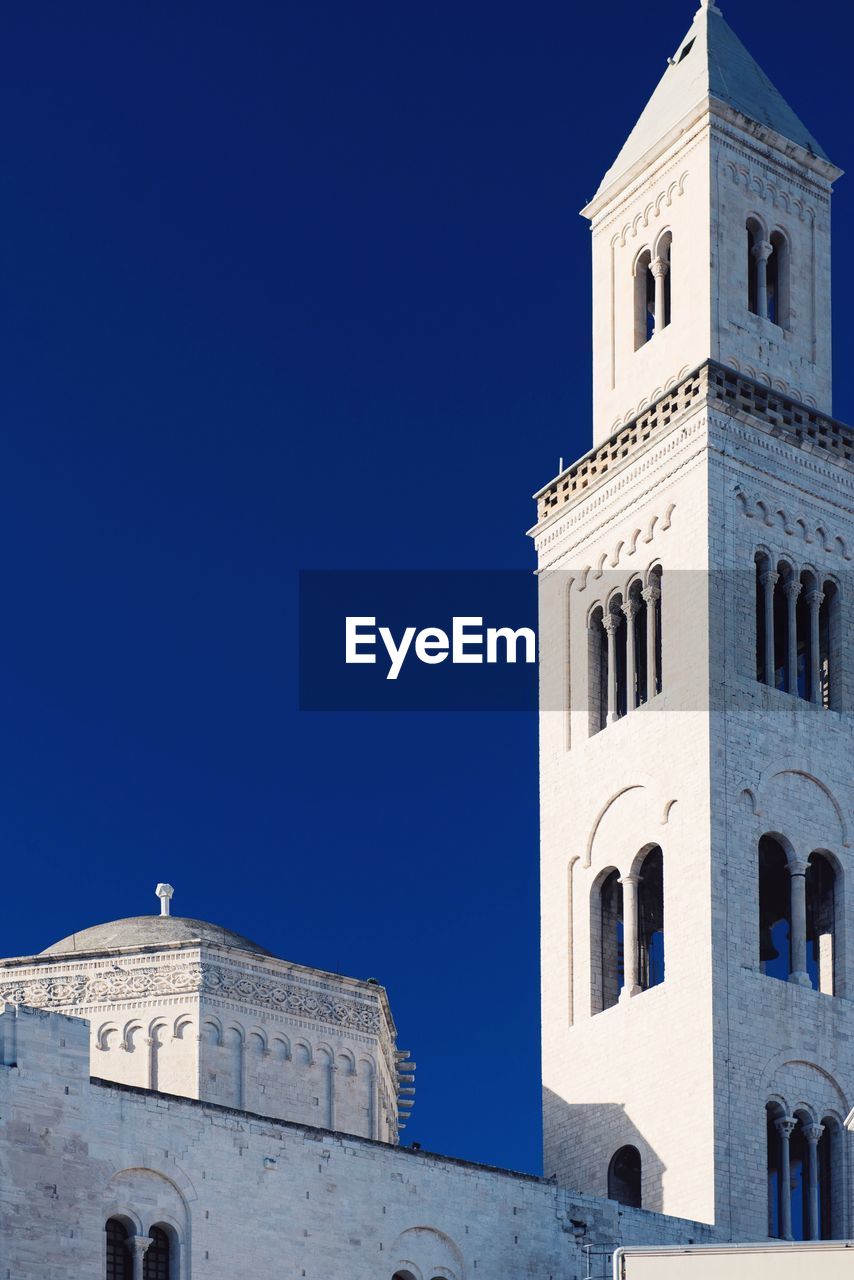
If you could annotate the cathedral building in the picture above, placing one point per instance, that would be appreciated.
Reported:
(176, 1103)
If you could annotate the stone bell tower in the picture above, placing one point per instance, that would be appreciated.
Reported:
(697, 740)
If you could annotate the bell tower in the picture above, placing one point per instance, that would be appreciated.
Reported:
(711, 236)
(697, 683)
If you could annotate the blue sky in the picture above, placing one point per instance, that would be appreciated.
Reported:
(296, 287)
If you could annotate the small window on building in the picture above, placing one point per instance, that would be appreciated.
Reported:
(624, 1177)
(611, 937)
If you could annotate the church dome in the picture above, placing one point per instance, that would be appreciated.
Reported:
(150, 931)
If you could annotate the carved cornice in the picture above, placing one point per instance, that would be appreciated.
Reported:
(74, 992)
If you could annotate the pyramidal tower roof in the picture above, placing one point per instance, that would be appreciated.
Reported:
(711, 62)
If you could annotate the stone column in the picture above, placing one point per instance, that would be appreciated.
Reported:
(814, 600)
(631, 983)
(784, 1126)
(630, 609)
(659, 268)
(812, 1133)
(798, 889)
(769, 580)
(651, 595)
(332, 1071)
(138, 1246)
(611, 621)
(792, 590)
(761, 253)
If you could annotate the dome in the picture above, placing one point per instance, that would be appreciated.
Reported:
(150, 931)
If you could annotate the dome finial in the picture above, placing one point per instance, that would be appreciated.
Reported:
(164, 893)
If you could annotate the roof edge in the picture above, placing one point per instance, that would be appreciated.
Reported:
(713, 107)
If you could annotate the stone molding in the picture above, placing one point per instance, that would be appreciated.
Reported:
(70, 991)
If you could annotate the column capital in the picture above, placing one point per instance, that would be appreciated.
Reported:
(659, 268)
(139, 1244)
(631, 878)
(631, 607)
(611, 622)
(812, 1132)
(814, 597)
(762, 250)
(785, 1125)
(769, 577)
(797, 866)
(651, 593)
(792, 588)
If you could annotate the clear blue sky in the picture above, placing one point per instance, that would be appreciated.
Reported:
(298, 286)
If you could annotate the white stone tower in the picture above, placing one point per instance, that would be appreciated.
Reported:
(697, 742)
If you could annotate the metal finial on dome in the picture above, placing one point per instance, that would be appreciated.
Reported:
(164, 893)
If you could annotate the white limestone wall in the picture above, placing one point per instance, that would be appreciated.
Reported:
(673, 195)
(779, 765)
(642, 1071)
(247, 1196)
(755, 181)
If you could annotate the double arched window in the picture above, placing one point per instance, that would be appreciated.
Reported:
(804, 1183)
(797, 916)
(624, 651)
(123, 1246)
(798, 631)
(768, 273)
(628, 931)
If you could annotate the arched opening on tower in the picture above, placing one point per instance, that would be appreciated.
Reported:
(777, 271)
(651, 920)
(624, 1177)
(644, 288)
(829, 645)
(611, 955)
(597, 671)
(821, 922)
(775, 910)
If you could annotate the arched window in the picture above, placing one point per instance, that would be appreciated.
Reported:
(597, 672)
(636, 637)
(773, 1112)
(821, 922)
(661, 268)
(775, 910)
(763, 598)
(616, 611)
(156, 1263)
(119, 1261)
(624, 1177)
(830, 1158)
(778, 280)
(755, 237)
(644, 299)
(611, 939)
(653, 595)
(829, 645)
(651, 920)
